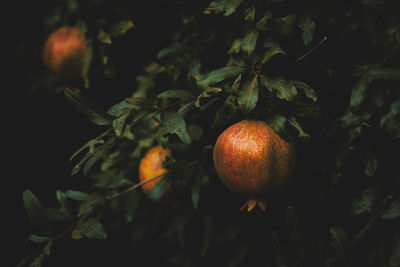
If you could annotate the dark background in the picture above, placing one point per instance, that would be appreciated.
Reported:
(43, 130)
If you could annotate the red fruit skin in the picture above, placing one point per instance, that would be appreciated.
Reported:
(251, 158)
(64, 52)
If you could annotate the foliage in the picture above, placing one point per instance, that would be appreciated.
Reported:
(324, 74)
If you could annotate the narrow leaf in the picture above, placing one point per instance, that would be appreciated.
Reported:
(282, 88)
(219, 75)
(159, 189)
(140, 102)
(297, 235)
(226, 6)
(180, 94)
(88, 108)
(363, 204)
(36, 212)
(308, 91)
(248, 95)
(207, 92)
(121, 27)
(386, 74)
(371, 166)
(250, 13)
(393, 211)
(249, 42)
(38, 239)
(78, 195)
(92, 228)
(173, 122)
(358, 92)
(274, 50)
(263, 22)
(339, 241)
(296, 125)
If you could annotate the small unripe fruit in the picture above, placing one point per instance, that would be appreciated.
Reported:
(64, 52)
(251, 158)
(151, 166)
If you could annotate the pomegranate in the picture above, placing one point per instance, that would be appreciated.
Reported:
(64, 52)
(251, 158)
(151, 166)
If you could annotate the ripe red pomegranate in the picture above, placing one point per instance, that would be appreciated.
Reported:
(151, 166)
(64, 52)
(251, 158)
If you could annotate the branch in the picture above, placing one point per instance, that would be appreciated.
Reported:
(312, 49)
(151, 179)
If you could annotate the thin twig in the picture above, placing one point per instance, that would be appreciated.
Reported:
(312, 49)
(151, 179)
(184, 101)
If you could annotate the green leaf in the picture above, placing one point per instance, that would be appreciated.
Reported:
(308, 91)
(219, 75)
(339, 241)
(282, 256)
(248, 95)
(47, 248)
(365, 201)
(201, 179)
(386, 74)
(38, 239)
(79, 196)
(173, 122)
(119, 109)
(274, 49)
(144, 84)
(36, 212)
(141, 102)
(180, 94)
(226, 112)
(64, 205)
(358, 92)
(249, 42)
(56, 215)
(236, 46)
(88, 108)
(226, 6)
(120, 28)
(250, 13)
(239, 255)
(173, 49)
(308, 27)
(236, 84)
(207, 92)
(390, 120)
(393, 211)
(262, 24)
(195, 131)
(92, 228)
(278, 123)
(87, 59)
(371, 166)
(119, 123)
(130, 203)
(159, 189)
(297, 235)
(292, 120)
(282, 88)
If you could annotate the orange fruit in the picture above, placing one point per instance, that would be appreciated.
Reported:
(151, 166)
(251, 158)
(64, 52)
